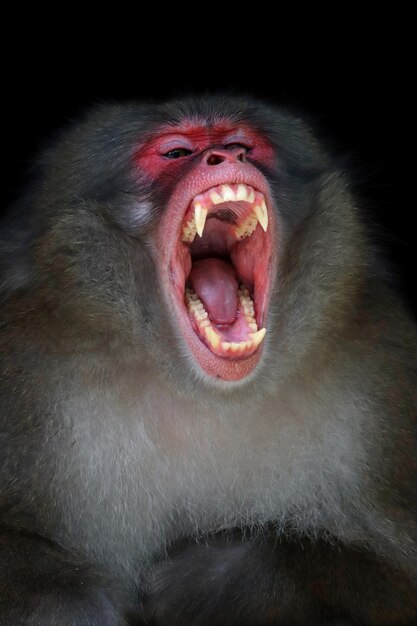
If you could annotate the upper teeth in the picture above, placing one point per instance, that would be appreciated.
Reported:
(216, 198)
(226, 193)
(200, 215)
(262, 215)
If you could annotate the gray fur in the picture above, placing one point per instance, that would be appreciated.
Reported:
(115, 444)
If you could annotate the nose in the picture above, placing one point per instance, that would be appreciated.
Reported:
(215, 156)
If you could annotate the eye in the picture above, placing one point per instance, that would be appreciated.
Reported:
(178, 153)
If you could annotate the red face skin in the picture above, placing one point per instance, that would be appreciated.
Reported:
(221, 154)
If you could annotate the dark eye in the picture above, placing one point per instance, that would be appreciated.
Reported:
(177, 153)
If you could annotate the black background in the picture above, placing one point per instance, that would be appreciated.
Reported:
(358, 98)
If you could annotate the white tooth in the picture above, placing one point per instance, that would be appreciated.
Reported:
(262, 215)
(227, 193)
(203, 323)
(251, 196)
(246, 228)
(258, 336)
(212, 337)
(215, 197)
(242, 193)
(200, 215)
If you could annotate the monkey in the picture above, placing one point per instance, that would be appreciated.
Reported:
(208, 380)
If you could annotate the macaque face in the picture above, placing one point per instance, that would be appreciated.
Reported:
(214, 246)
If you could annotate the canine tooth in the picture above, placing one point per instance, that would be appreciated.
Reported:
(215, 340)
(215, 197)
(251, 196)
(262, 215)
(258, 336)
(212, 337)
(200, 215)
(242, 193)
(227, 193)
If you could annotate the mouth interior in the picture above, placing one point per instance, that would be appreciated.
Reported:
(224, 252)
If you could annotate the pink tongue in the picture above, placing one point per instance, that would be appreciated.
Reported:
(215, 283)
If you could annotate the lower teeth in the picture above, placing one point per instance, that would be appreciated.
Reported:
(213, 338)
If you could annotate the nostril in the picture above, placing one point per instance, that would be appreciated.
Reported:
(227, 155)
(215, 159)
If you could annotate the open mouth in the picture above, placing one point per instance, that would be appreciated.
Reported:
(221, 272)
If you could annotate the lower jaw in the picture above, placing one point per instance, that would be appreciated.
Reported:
(216, 367)
(223, 368)
(239, 339)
